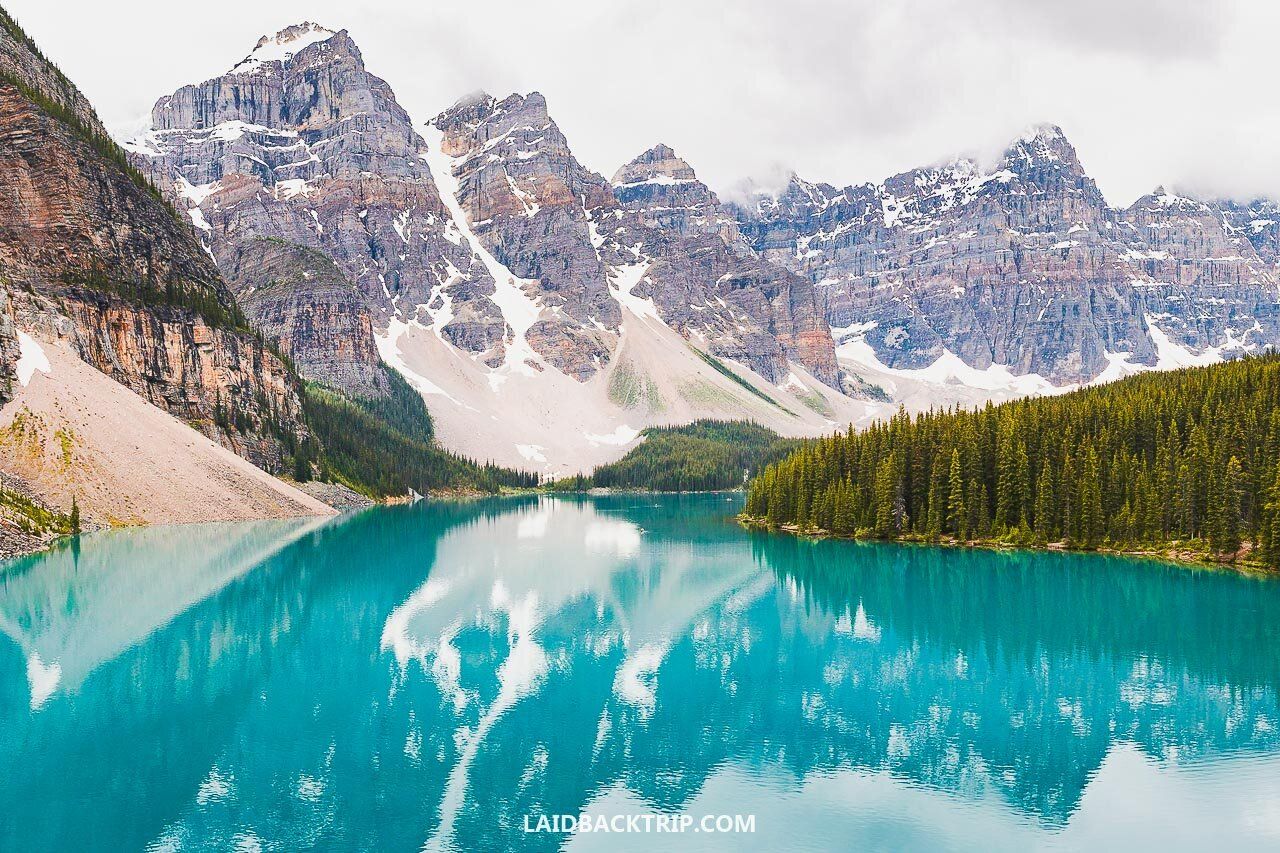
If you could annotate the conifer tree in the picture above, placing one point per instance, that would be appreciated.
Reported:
(1045, 512)
(1271, 524)
(957, 512)
(1022, 477)
(1091, 520)
(1225, 533)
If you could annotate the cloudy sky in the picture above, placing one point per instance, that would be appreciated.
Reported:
(1179, 92)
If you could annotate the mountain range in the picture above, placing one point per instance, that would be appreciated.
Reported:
(287, 224)
(549, 314)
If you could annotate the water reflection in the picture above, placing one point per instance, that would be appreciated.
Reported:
(427, 676)
(89, 600)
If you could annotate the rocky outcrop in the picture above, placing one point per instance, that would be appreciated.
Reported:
(1258, 222)
(22, 62)
(583, 247)
(666, 193)
(77, 438)
(525, 198)
(8, 348)
(299, 298)
(1199, 275)
(703, 277)
(1022, 264)
(224, 382)
(91, 255)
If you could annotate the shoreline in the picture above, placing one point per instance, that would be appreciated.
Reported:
(16, 544)
(600, 491)
(1183, 557)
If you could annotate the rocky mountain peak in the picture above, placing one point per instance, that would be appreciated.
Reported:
(301, 153)
(657, 243)
(659, 164)
(1167, 201)
(664, 190)
(283, 46)
(479, 106)
(1039, 146)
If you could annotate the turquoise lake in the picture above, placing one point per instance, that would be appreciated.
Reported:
(439, 676)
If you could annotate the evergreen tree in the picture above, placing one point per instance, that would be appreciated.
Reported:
(1225, 535)
(957, 512)
(1091, 519)
(1022, 480)
(1045, 510)
(1271, 524)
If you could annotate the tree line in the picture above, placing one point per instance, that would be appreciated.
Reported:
(1190, 457)
(387, 446)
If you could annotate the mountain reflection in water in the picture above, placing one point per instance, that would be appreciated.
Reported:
(424, 677)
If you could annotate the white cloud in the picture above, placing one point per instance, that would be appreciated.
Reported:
(1151, 91)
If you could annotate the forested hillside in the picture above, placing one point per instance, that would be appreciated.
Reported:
(384, 447)
(1188, 460)
(703, 456)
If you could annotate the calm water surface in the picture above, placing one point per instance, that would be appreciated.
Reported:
(426, 677)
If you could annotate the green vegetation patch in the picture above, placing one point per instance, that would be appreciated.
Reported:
(726, 371)
(814, 401)
(202, 300)
(34, 519)
(384, 447)
(706, 455)
(633, 389)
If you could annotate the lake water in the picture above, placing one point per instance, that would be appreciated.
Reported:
(439, 676)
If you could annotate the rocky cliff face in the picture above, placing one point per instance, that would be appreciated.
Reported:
(1198, 275)
(1022, 265)
(704, 278)
(584, 248)
(298, 297)
(9, 351)
(1258, 222)
(91, 255)
(23, 63)
(666, 193)
(524, 198)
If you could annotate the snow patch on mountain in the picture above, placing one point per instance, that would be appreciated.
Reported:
(621, 436)
(282, 46)
(518, 310)
(31, 357)
(950, 369)
(389, 351)
(1172, 356)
